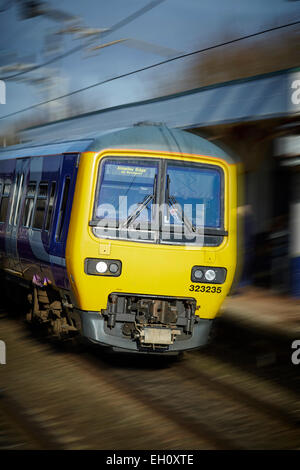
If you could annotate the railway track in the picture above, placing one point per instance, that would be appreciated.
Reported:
(18, 431)
(78, 408)
(229, 417)
(134, 386)
(288, 414)
(12, 437)
(96, 400)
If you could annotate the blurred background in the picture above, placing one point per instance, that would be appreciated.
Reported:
(229, 71)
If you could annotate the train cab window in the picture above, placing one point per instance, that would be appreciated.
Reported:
(16, 200)
(18, 194)
(50, 206)
(162, 201)
(62, 211)
(4, 201)
(40, 207)
(129, 188)
(1, 188)
(192, 185)
(29, 203)
(194, 200)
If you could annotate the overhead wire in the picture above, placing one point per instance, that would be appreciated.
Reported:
(148, 67)
(112, 29)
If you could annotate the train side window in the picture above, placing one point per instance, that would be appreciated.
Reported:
(29, 203)
(50, 206)
(14, 197)
(4, 201)
(62, 211)
(1, 188)
(18, 198)
(40, 206)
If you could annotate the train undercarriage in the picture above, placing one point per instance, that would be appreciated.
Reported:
(154, 323)
(136, 323)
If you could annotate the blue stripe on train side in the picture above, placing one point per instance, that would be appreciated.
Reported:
(295, 276)
(48, 244)
(38, 249)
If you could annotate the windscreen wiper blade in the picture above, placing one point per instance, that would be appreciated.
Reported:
(186, 221)
(141, 206)
(172, 201)
(191, 226)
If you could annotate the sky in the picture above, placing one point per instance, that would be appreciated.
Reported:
(177, 26)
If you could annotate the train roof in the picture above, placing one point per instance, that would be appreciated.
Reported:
(139, 137)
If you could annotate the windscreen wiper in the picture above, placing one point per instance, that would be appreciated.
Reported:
(186, 221)
(172, 201)
(191, 227)
(141, 206)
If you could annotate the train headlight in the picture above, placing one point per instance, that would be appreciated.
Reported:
(102, 267)
(210, 275)
(113, 268)
(198, 274)
(207, 274)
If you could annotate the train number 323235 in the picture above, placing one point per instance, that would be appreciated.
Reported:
(211, 289)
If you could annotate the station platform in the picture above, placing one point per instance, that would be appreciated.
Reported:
(261, 309)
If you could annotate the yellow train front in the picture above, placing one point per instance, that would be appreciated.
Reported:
(152, 242)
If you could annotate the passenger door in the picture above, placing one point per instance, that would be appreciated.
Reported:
(21, 172)
(64, 206)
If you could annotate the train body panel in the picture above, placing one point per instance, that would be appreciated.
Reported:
(30, 245)
(166, 269)
(150, 281)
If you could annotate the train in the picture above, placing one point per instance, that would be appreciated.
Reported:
(126, 239)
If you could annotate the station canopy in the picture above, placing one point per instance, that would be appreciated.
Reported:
(245, 100)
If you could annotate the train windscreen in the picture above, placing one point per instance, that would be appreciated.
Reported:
(159, 200)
